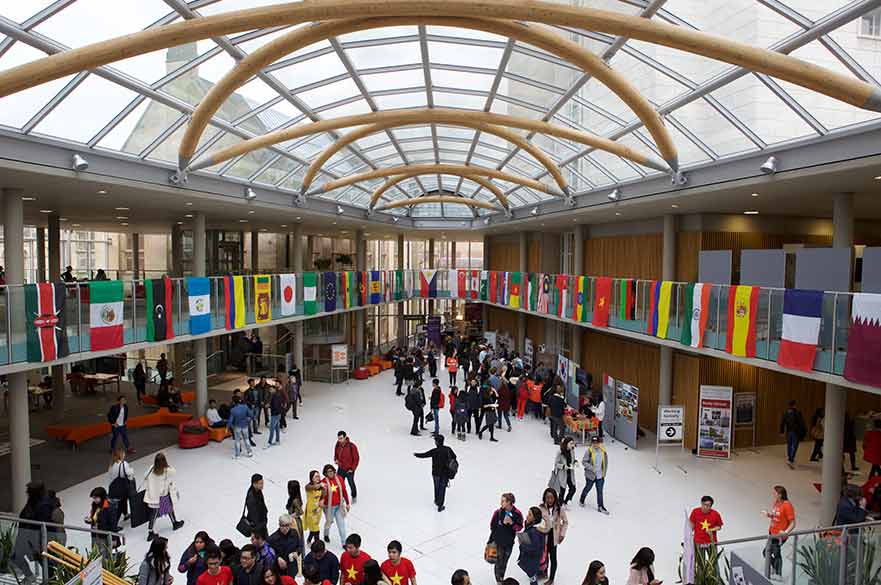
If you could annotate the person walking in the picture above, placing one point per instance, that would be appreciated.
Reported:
(442, 458)
(431, 357)
(314, 494)
(117, 416)
(414, 402)
(216, 573)
(162, 368)
(782, 517)
(275, 406)
(642, 570)
(505, 523)
(155, 569)
(504, 393)
(139, 379)
(122, 482)
(792, 426)
(352, 561)
(556, 408)
(817, 433)
(595, 464)
(599, 411)
(474, 403)
(451, 401)
(161, 494)
(256, 511)
(554, 525)
(239, 424)
(489, 400)
(192, 561)
(347, 458)
(436, 402)
(452, 368)
(532, 545)
(400, 373)
(28, 539)
(335, 503)
(460, 415)
(562, 480)
(101, 517)
(522, 396)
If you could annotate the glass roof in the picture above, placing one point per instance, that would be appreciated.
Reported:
(140, 106)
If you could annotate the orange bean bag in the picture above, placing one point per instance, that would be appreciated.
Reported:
(385, 364)
(373, 370)
(216, 434)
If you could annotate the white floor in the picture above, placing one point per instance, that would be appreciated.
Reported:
(395, 490)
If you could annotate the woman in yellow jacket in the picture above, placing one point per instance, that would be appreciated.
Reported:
(313, 512)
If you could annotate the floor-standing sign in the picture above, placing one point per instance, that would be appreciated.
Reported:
(626, 413)
(563, 368)
(528, 352)
(714, 422)
(571, 385)
(339, 359)
(609, 405)
(745, 413)
(670, 430)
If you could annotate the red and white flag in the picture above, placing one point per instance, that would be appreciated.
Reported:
(105, 314)
(474, 284)
(802, 311)
(863, 364)
(462, 280)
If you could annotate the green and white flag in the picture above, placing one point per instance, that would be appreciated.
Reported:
(310, 293)
(484, 285)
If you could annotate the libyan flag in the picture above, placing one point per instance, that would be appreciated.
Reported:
(105, 314)
(47, 339)
(160, 325)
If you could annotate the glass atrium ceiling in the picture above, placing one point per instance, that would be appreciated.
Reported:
(140, 106)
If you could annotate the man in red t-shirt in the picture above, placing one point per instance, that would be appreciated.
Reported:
(399, 570)
(216, 573)
(705, 522)
(352, 561)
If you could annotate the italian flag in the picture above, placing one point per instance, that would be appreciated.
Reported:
(105, 314)
(310, 293)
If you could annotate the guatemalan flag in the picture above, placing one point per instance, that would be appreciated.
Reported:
(199, 297)
(802, 310)
(864, 341)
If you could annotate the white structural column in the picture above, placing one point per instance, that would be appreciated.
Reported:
(361, 314)
(200, 346)
(19, 423)
(668, 272)
(578, 268)
(297, 266)
(524, 299)
(836, 396)
(402, 306)
(136, 256)
(54, 233)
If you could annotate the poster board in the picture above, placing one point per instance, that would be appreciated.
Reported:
(563, 368)
(572, 386)
(671, 421)
(715, 410)
(745, 413)
(339, 355)
(528, 352)
(626, 413)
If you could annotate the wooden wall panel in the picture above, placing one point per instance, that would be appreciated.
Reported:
(504, 255)
(535, 330)
(503, 321)
(533, 256)
(629, 361)
(688, 247)
(686, 387)
(624, 256)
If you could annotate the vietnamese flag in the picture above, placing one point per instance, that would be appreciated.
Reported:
(601, 301)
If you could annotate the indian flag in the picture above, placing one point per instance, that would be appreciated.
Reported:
(105, 314)
(697, 308)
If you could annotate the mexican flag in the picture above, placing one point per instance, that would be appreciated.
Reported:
(105, 314)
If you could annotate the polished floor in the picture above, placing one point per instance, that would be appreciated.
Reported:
(395, 489)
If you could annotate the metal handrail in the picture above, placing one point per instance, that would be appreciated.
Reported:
(807, 531)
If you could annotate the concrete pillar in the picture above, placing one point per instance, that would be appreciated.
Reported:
(41, 255)
(297, 266)
(255, 251)
(54, 261)
(200, 346)
(19, 422)
(402, 324)
(484, 313)
(668, 272)
(360, 314)
(836, 396)
(524, 299)
(177, 251)
(136, 256)
(310, 250)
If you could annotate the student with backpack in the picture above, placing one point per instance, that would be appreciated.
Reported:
(460, 414)
(436, 402)
(414, 402)
(444, 467)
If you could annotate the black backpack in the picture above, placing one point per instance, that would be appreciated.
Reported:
(452, 465)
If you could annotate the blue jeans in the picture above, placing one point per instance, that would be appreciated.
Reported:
(435, 412)
(791, 445)
(590, 483)
(335, 514)
(119, 432)
(507, 416)
(440, 489)
(240, 436)
(274, 428)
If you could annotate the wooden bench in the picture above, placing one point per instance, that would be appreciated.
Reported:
(82, 433)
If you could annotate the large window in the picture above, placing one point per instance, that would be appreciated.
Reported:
(870, 24)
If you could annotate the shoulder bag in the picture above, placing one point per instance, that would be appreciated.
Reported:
(244, 526)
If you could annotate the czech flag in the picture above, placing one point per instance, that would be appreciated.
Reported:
(802, 311)
(743, 306)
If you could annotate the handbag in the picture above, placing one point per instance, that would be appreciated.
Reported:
(244, 526)
(139, 511)
(429, 417)
(490, 553)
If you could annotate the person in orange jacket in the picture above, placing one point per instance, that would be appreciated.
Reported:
(453, 368)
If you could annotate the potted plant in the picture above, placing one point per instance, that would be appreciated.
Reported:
(344, 260)
(322, 263)
(7, 547)
(820, 559)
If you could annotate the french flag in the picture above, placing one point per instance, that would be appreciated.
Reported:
(802, 311)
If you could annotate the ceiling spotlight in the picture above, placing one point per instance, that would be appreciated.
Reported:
(78, 163)
(674, 206)
(250, 195)
(62, 219)
(251, 212)
(534, 211)
(486, 220)
(395, 219)
(755, 194)
(769, 167)
(75, 225)
(102, 192)
(299, 218)
(262, 229)
(243, 221)
(45, 211)
(188, 203)
(613, 196)
(283, 225)
(617, 213)
(28, 198)
(751, 212)
(121, 217)
(123, 223)
(340, 210)
(188, 215)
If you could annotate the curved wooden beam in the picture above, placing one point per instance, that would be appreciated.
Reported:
(439, 199)
(430, 169)
(502, 133)
(471, 177)
(820, 79)
(430, 115)
(545, 40)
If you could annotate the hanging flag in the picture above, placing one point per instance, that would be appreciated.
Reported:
(362, 288)
(534, 280)
(602, 301)
(329, 292)
(581, 298)
(665, 296)
(310, 293)
(503, 287)
(627, 301)
(47, 339)
(160, 325)
(375, 288)
(199, 301)
(474, 285)
(388, 288)
(697, 310)
(288, 285)
(560, 294)
(234, 301)
(484, 285)
(802, 311)
(461, 283)
(544, 295)
(514, 290)
(493, 285)
(743, 306)
(347, 294)
(428, 284)
(652, 323)
(399, 285)
(262, 298)
(105, 314)
(864, 340)
(453, 283)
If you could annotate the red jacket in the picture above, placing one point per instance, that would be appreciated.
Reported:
(872, 447)
(346, 455)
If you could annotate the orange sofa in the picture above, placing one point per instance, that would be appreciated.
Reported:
(216, 434)
(82, 433)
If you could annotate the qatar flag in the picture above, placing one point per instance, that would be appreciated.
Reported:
(288, 285)
(864, 341)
